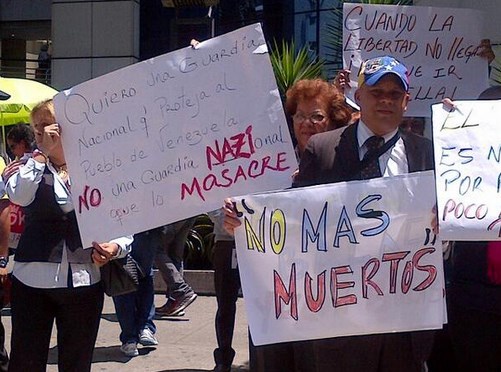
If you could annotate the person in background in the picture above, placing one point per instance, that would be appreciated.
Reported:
(21, 142)
(169, 260)
(44, 62)
(4, 260)
(227, 285)
(413, 124)
(315, 106)
(54, 277)
(135, 311)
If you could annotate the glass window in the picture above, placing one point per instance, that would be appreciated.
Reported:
(305, 5)
(305, 30)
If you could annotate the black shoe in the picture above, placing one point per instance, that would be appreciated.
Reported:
(222, 368)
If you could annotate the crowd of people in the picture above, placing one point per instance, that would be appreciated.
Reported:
(59, 277)
(470, 341)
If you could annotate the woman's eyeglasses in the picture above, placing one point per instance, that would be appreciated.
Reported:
(315, 118)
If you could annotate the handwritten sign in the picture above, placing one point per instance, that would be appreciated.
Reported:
(343, 259)
(439, 46)
(171, 137)
(467, 144)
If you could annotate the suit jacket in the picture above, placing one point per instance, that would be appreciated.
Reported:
(333, 156)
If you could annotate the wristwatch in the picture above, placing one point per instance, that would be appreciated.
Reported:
(3, 262)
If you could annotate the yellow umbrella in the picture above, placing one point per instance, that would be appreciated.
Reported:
(24, 95)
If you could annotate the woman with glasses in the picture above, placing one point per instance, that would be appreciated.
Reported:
(315, 106)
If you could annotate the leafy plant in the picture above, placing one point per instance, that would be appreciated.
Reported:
(495, 74)
(290, 65)
(199, 244)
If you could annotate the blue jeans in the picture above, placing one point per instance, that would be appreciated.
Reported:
(135, 311)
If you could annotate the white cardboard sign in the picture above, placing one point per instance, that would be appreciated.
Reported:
(467, 145)
(171, 137)
(439, 46)
(343, 259)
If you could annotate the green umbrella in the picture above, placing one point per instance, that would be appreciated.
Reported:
(4, 96)
(23, 95)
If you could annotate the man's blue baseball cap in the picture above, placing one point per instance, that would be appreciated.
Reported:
(375, 68)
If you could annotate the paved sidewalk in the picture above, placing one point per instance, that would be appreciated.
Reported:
(185, 343)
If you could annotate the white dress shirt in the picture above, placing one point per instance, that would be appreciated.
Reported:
(21, 189)
(391, 163)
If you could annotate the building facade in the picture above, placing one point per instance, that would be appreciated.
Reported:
(89, 38)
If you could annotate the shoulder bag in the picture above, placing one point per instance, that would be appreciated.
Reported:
(121, 276)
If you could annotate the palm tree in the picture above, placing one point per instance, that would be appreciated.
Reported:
(290, 65)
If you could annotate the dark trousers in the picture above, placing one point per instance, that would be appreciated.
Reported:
(169, 258)
(475, 334)
(227, 284)
(286, 356)
(388, 352)
(4, 357)
(77, 312)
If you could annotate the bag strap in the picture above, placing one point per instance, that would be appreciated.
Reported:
(376, 154)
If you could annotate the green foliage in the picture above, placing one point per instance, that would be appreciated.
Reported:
(495, 75)
(199, 244)
(290, 65)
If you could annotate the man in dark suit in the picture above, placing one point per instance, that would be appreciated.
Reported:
(371, 147)
(336, 156)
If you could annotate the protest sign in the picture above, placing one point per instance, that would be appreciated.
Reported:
(467, 144)
(439, 46)
(171, 137)
(342, 259)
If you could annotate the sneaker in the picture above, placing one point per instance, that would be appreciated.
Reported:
(147, 338)
(129, 349)
(176, 315)
(176, 306)
(166, 309)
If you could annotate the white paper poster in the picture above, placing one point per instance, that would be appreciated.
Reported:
(439, 47)
(171, 137)
(343, 259)
(467, 145)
